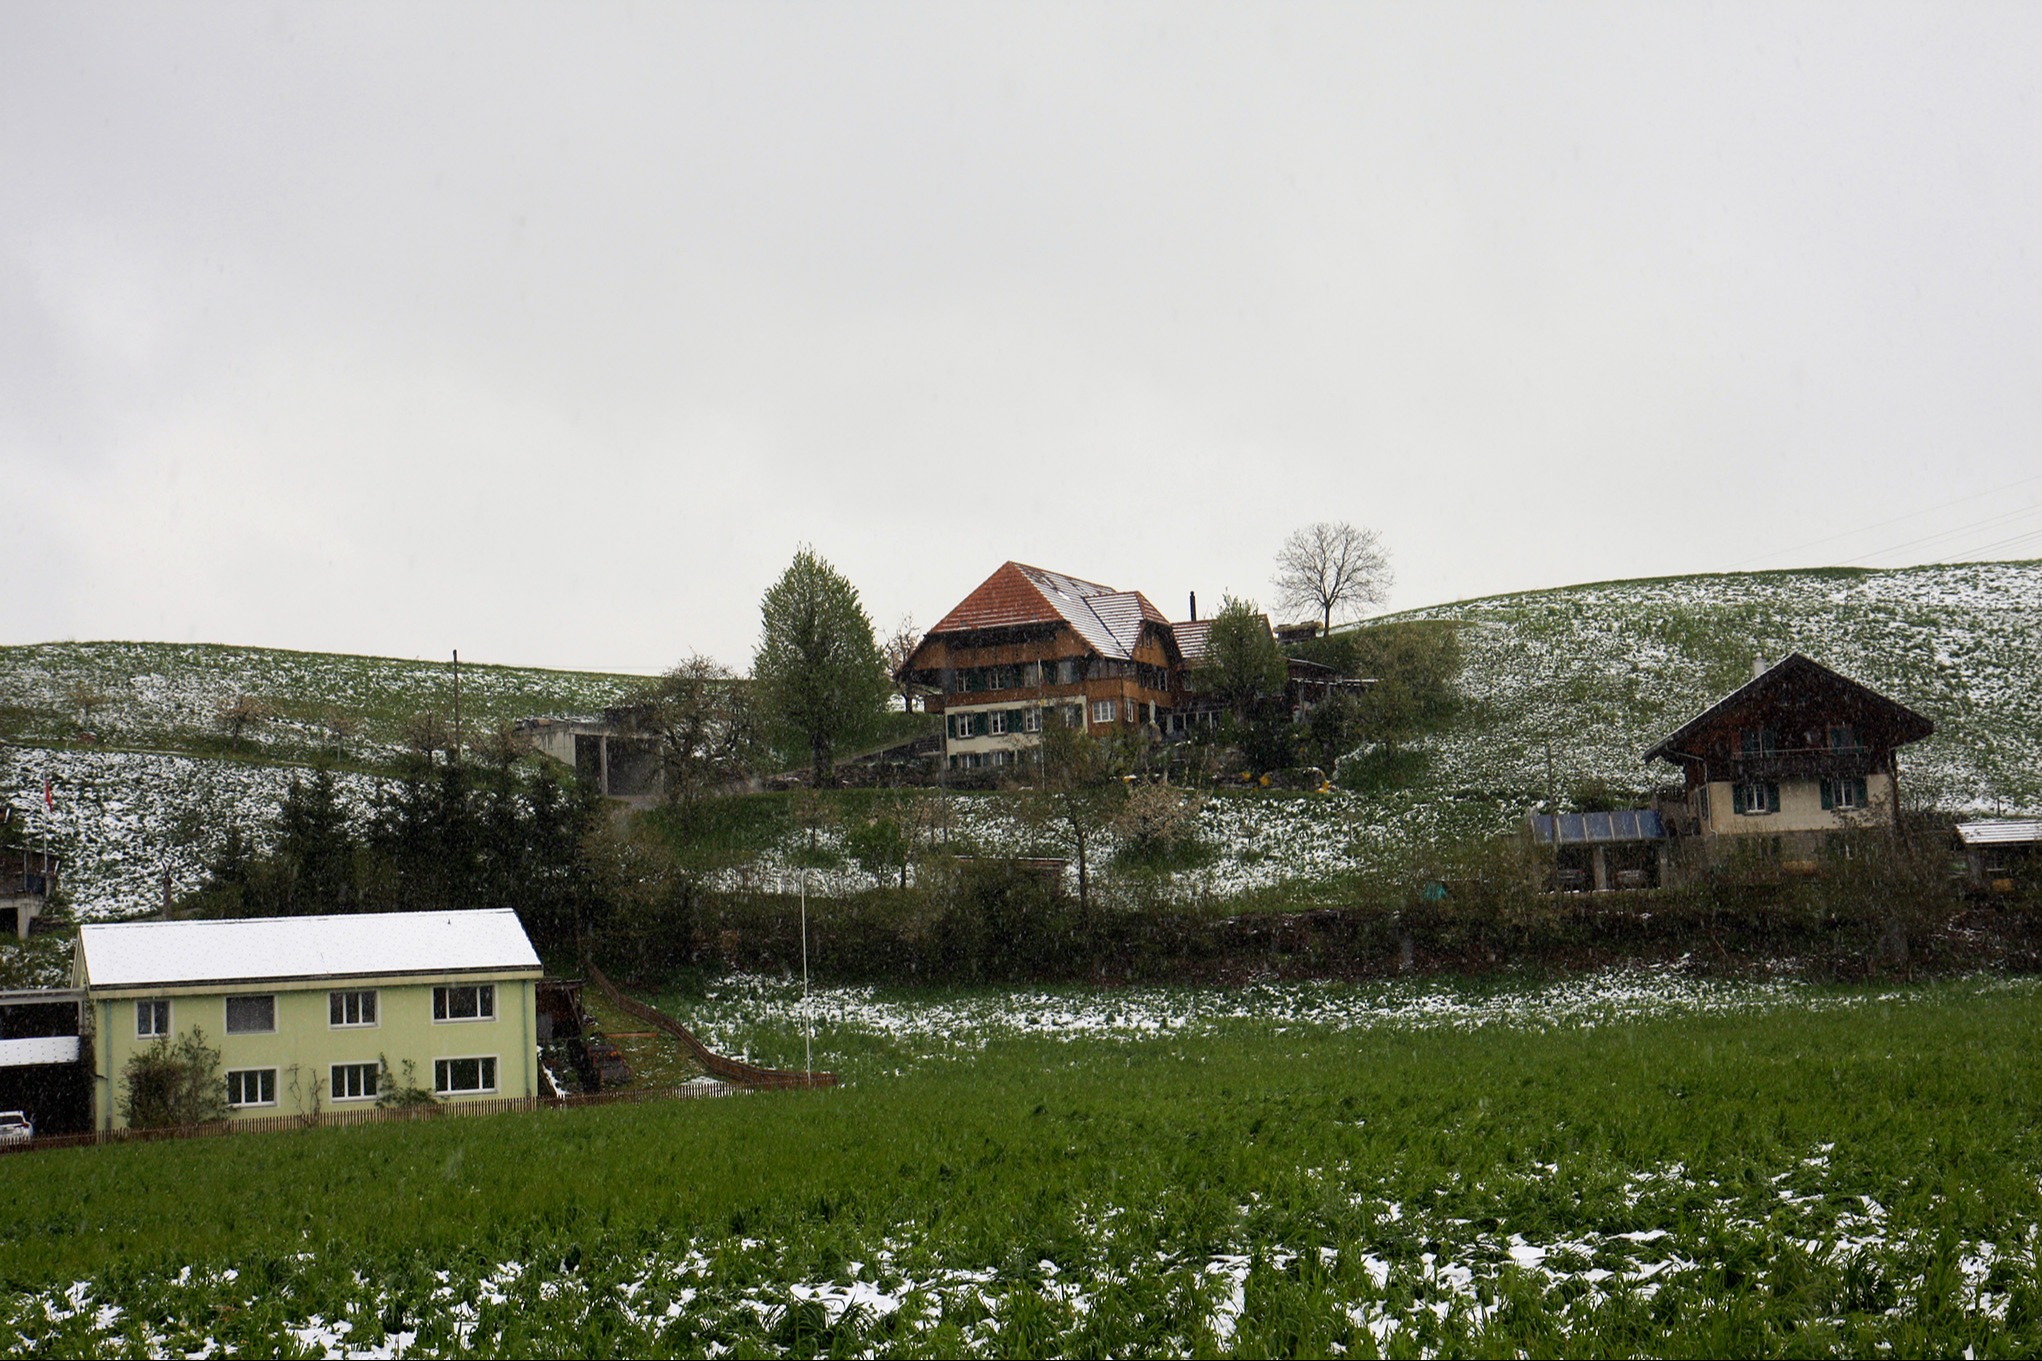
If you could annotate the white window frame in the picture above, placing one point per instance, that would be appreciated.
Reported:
(265, 1078)
(227, 1025)
(996, 725)
(1031, 720)
(153, 1008)
(1843, 794)
(1105, 710)
(340, 997)
(443, 998)
(373, 1071)
(493, 1074)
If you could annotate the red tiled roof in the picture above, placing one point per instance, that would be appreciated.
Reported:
(1016, 594)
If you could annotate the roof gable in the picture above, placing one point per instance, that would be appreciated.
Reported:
(1016, 595)
(1795, 674)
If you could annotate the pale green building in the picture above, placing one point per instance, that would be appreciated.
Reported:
(317, 1014)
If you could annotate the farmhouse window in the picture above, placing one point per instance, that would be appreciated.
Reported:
(152, 1017)
(1755, 798)
(1031, 720)
(351, 1008)
(1844, 793)
(255, 1015)
(1104, 710)
(997, 723)
(356, 1081)
(1067, 671)
(1760, 742)
(468, 1002)
(252, 1087)
(464, 1075)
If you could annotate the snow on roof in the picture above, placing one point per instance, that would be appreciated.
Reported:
(1109, 621)
(157, 954)
(2000, 831)
(39, 1049)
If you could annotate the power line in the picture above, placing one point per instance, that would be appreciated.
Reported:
(1861, 529)
(1949, 533)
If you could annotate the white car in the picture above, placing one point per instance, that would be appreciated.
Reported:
(15, 1127)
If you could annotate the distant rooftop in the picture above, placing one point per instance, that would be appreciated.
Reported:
(277, 949)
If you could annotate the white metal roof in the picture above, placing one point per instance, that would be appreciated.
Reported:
(40, 1049)
(2000, 831)
(163, 954)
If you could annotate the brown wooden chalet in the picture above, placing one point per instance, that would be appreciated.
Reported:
(1030, 645)
(1797, 753)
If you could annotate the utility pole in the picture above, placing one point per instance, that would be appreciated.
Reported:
(455, 754)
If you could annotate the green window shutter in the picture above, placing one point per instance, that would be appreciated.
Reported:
(1772, 798)
(1864, 795)
(1737, 799)
(1828, 794)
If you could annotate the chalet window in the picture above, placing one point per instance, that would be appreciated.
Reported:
(1067, 671)
(252, 1087)
(354, 1008)
(968, 725)
(1843, 737)
(996, 678)
(1760, 742)
(471, 1002)
(1031, 720)
(1104, 710)
(996, 723)
(1755, 798)
(152, 1018)
(451, 1076)
(1003, 758)
(252, 1015)
(1844, 793)
(355, 1081)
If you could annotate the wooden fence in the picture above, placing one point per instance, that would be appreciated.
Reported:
(715, 1064)
(375, 1115)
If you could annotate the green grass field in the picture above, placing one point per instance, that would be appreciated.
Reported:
(1627, 1165)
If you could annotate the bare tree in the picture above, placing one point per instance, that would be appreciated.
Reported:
(899, 646)
(703, 724)
(241, 713)
(1330, 567)
(85, 697)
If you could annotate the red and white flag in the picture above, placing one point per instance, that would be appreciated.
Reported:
(49, 804)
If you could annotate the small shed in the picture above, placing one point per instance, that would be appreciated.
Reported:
(1625, 849)
(2001, 853)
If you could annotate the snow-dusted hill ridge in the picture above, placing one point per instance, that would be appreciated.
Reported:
(1600, 672)
(167, 695)
(1603, 671)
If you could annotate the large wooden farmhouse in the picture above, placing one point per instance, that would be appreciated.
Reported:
(1794, 755)
(1031, 645)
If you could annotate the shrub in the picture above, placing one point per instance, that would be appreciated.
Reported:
(173, 1083)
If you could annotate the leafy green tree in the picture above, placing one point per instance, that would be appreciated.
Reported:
(820, 681)
(173, 1083)
(1412, 665)
(1079, 794)
(1242, 662)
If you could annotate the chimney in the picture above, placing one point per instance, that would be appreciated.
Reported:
(1757, 667)
(1194, 607)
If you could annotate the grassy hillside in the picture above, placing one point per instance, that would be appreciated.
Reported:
(167, 696)
(1603, 671)
(1599, 671)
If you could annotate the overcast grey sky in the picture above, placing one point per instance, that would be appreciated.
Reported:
(547, 332)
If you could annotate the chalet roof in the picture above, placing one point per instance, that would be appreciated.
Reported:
(1192, 635)
(275, 949)
(1795, 670)
(2000, 832)
(1581, 829)
(1017, 595)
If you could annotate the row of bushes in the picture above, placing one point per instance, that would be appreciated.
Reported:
(1889, 907)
